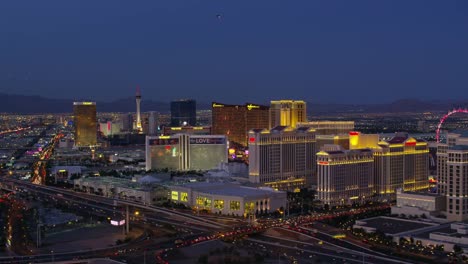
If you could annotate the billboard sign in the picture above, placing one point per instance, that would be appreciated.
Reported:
(208, 140)
(168, 141)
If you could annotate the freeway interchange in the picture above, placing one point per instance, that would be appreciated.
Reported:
(293, 238)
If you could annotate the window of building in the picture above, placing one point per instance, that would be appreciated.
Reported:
(219, 204)
(183, 196)
(234, 205)
(249, 207)
(200, 201)
(175, 195)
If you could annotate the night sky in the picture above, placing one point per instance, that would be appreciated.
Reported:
(235, 51)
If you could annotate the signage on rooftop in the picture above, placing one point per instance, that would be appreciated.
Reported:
(208, 140)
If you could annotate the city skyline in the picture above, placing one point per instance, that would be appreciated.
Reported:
(330, 52)
(233, 132)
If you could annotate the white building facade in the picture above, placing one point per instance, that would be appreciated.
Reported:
(452, 158)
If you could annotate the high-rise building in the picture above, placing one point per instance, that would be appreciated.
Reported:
(110, 128)
(452, 170)
(287, 113)
(282, 158)
(357, 140)
(152, 123)
(183, 152)
(138, 126)
(345, 176)
(401, 162)
(85, 124)
(341, 139)
(126, 121)
(330, 132)
(326, 127)
(235, 121)
(184, 113)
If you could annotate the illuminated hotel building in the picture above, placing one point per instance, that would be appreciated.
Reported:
(452, 170)
(287, 113)
(345, 176)
(282, 158)
(401, 162)
(357, 140)
(342, 140)
(330, 132)
(235, 121)
(85, 124)
(325, 127)
(183, 152)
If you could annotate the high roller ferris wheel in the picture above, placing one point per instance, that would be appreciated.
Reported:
(442, 120)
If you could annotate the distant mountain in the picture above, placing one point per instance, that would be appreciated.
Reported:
(399, 106)
(24, 104)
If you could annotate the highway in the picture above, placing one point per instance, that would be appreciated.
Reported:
(203, 228)
(105, 202)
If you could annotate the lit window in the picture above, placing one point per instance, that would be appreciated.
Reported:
(175, 195)
(184, 197)
(219, 204)
(234, 205)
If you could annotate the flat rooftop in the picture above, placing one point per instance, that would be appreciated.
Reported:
(394, 226)
(112, 181)
(229, 189)
(443, 229)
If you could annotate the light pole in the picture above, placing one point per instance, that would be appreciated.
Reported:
(53, 261)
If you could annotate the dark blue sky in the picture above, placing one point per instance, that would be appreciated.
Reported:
(322, 51)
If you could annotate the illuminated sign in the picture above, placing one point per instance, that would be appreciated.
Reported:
(176, 128)
(217, 105)
(251, 106)
(252, 140)
(208, 140)
(159, 141)
(323, 163)
(87, 103)
(354, 133)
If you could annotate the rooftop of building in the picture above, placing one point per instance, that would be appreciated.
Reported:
(229, 189)
(460, 147)
(392, 226)
(461, 132)
(422, 194)
(114, 181)
(280, 129)
(354, 151)
(249, 106)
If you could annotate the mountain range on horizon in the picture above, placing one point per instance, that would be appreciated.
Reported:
(33, 104)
